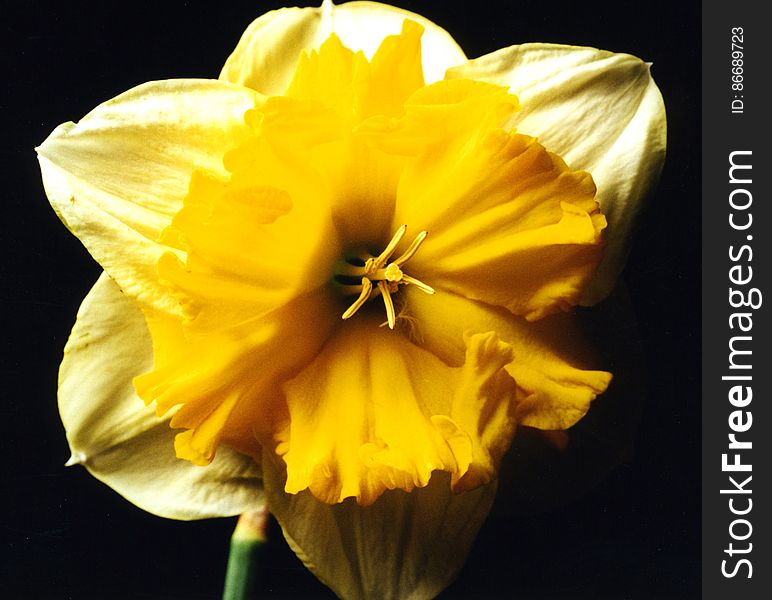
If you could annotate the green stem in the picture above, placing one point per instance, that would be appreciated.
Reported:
(248, 544)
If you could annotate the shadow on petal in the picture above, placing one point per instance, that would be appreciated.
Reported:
(545, 470)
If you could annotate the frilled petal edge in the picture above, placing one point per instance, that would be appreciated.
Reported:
(374, 412)
(601, 112)
(554, 386)
(268, 51)
(118, 176)
(120, 440)
(405, 545)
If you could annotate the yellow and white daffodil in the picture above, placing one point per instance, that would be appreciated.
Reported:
(322, 272)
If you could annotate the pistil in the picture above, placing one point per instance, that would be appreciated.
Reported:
(379, 276)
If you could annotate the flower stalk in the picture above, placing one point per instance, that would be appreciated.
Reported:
(247, 550)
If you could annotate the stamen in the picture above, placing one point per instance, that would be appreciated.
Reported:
(419, 284)
(390, 247)
(412, 249)
(364, 295)
(379, 278)
(388, 303)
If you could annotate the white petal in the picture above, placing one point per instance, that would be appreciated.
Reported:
(404, 546)
(120, 440)
(603, 113)
(265, 57)
(117, 177)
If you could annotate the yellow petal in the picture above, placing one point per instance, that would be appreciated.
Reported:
(549, 365)
(395, 72)
(226, 378)
(264, 236)
(403, 546)
(332, 90)
(441, 118)
(363, 186)
(601, 112)
(481, 421)
(375, 412)
(266, 56)
(117, 177)
(250, 247)
(362, 26)
(333, 76)
(346, 82)
(121, 441)
(268, 50)
(508, 222)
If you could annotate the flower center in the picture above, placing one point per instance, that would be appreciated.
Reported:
(379, 276)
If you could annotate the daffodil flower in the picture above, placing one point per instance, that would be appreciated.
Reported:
(327, 275)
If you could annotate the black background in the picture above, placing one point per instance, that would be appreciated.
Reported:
(65, 535)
